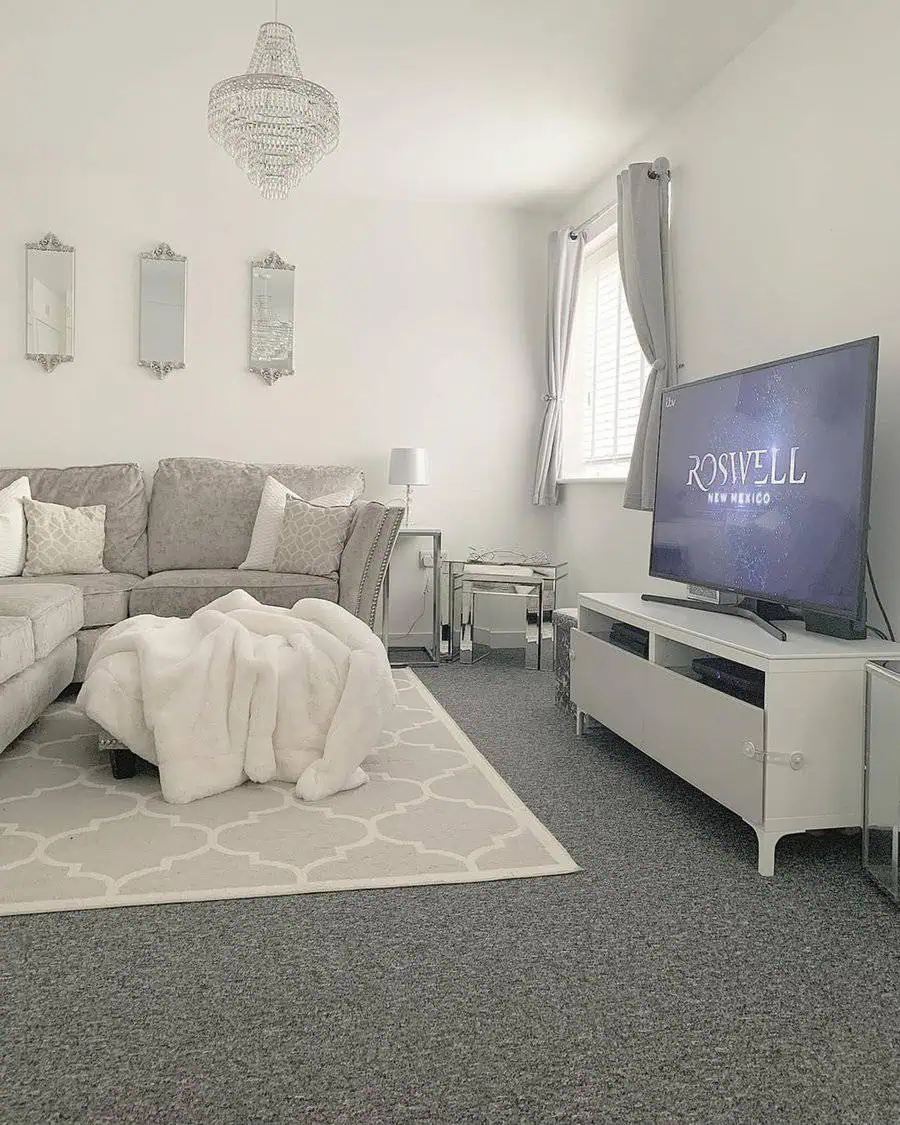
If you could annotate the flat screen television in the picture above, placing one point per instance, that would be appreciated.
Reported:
(763, 482)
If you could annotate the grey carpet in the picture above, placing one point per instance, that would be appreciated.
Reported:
(665, 983)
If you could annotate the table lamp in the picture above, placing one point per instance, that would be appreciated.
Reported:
(408, 466)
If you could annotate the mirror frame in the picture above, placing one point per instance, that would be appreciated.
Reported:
(161, 253)
(270, 375)
(49, 360)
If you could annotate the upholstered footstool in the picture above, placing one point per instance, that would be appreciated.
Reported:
(564, 620)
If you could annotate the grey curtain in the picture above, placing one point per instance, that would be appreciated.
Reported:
(564, 275)
(644, 261)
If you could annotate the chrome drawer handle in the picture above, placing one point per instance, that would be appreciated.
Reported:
(796, 760)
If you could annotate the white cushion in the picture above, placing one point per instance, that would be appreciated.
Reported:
(269, 516)
(12, 527)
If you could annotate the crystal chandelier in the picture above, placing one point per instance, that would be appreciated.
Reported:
(274, 124)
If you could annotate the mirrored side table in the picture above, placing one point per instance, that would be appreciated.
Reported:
(881, 794)
(534, 583)
(401, 656)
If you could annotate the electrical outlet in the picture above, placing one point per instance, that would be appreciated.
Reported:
(426, 558)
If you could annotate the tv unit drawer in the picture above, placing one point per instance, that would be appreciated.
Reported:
(608, 683)
(709, 738)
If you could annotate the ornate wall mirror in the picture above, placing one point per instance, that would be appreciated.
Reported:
(271, 318)
(163, 290)
(49, 302)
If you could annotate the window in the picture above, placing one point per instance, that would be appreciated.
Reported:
(607, 375)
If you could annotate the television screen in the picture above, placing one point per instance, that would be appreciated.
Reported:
(763, 480)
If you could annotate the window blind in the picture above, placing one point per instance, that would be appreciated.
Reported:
(614, 367)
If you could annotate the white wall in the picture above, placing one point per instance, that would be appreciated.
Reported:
(416, 324)
(786, 236)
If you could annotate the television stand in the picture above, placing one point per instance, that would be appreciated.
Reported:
(739, 610)
(790, 760)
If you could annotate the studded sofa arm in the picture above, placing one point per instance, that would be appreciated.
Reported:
(365, 558)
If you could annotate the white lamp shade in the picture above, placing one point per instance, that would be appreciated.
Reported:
(408, 466)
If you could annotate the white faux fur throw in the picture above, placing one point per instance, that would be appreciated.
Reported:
(244, 690)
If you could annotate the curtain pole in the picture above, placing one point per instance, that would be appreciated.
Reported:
(576, 231)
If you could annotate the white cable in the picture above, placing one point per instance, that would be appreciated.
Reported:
(425, 594)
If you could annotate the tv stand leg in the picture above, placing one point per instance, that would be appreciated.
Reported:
(767, 842)
(579, 723)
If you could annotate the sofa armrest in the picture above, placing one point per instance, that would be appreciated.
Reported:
(365, 558)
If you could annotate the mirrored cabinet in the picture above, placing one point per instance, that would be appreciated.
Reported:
(881, 802)
(49, 302)
(163, 292)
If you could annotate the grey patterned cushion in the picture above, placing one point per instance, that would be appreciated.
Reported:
(312, 538)
(63, 540)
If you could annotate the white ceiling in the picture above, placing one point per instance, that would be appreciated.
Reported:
(514, 101)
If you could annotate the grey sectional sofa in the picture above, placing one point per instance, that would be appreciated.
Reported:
(181, 550)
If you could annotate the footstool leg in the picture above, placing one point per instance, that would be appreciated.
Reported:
(122, 761)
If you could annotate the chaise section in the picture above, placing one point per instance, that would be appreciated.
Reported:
(26, 696)
(38, 623)
(120, 487)
(16, 646)
(54, 612)
(179, 593)
(105, 601)
(105, 595)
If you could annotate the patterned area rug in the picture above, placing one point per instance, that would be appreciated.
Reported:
(433, 811)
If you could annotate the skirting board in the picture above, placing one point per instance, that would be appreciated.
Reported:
(493, 638)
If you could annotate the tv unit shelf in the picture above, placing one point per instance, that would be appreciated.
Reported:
(793, 764)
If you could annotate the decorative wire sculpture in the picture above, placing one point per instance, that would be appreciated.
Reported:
(508, 555)
(274, 124)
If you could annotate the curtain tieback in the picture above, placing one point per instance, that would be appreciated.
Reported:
(551, 398)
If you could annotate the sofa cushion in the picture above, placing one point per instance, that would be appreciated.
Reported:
(120, 487)
(202, 511)
(64, 540)
(16, 646)
(56, 612)
(312, 538)
(105, 595)
(179, 593)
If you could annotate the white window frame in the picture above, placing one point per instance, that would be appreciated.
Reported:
(577, 411)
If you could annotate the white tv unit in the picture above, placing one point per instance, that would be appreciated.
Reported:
(792, 765)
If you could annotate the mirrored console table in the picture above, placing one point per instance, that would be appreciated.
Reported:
(536, 584)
